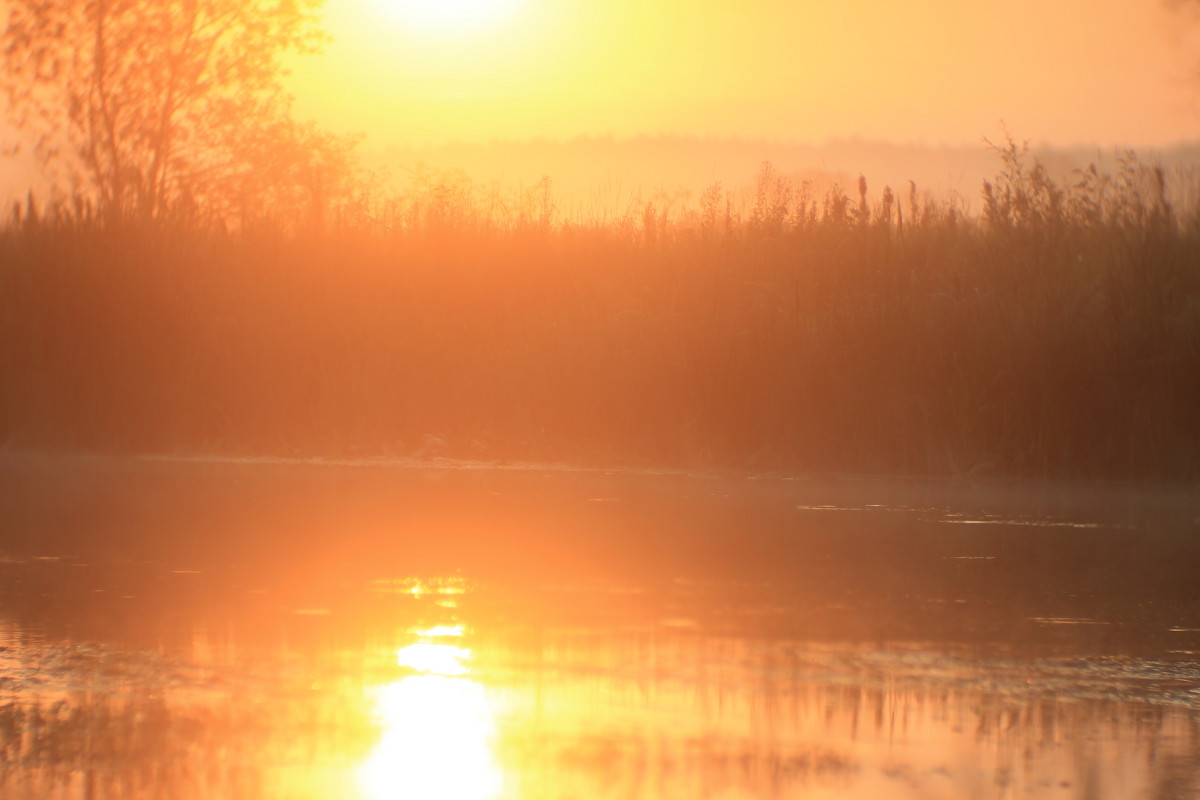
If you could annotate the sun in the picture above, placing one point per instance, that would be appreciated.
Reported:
(447, 18)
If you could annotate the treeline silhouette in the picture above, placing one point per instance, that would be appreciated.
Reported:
(1055, 333)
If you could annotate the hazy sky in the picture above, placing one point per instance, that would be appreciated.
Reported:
(427, 73)
(931, 71)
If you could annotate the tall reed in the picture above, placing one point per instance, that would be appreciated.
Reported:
(1056, 332)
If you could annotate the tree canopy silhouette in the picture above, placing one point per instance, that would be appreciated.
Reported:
(156, 107)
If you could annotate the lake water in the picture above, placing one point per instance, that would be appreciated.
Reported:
(262, 630)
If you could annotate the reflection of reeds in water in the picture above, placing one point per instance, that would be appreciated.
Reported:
(145, 745)
(641, 767)
(633, 715)
(663, 722)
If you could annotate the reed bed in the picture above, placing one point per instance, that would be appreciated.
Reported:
(1055, 332)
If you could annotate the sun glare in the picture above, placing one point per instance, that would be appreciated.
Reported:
(436, 728)
(446, 18)
(435, 744)
(437, 659)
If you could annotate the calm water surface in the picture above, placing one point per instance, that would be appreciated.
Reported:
(262, 631)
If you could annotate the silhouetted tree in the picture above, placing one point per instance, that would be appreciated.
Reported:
(149, 107)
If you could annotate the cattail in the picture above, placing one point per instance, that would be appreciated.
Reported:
(885, 207)
(990, 212)
(1160, 188)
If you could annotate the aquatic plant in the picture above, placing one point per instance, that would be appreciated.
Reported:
(1054, 332)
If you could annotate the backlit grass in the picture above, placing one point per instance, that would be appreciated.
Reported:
(1055, 332)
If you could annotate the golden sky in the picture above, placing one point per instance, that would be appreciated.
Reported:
(1061, 72)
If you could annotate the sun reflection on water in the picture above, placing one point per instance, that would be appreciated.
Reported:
(437, 729)
(435, 659)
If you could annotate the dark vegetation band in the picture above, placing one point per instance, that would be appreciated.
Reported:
(1056, 332)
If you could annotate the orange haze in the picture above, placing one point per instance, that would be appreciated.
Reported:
(1070, 72)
